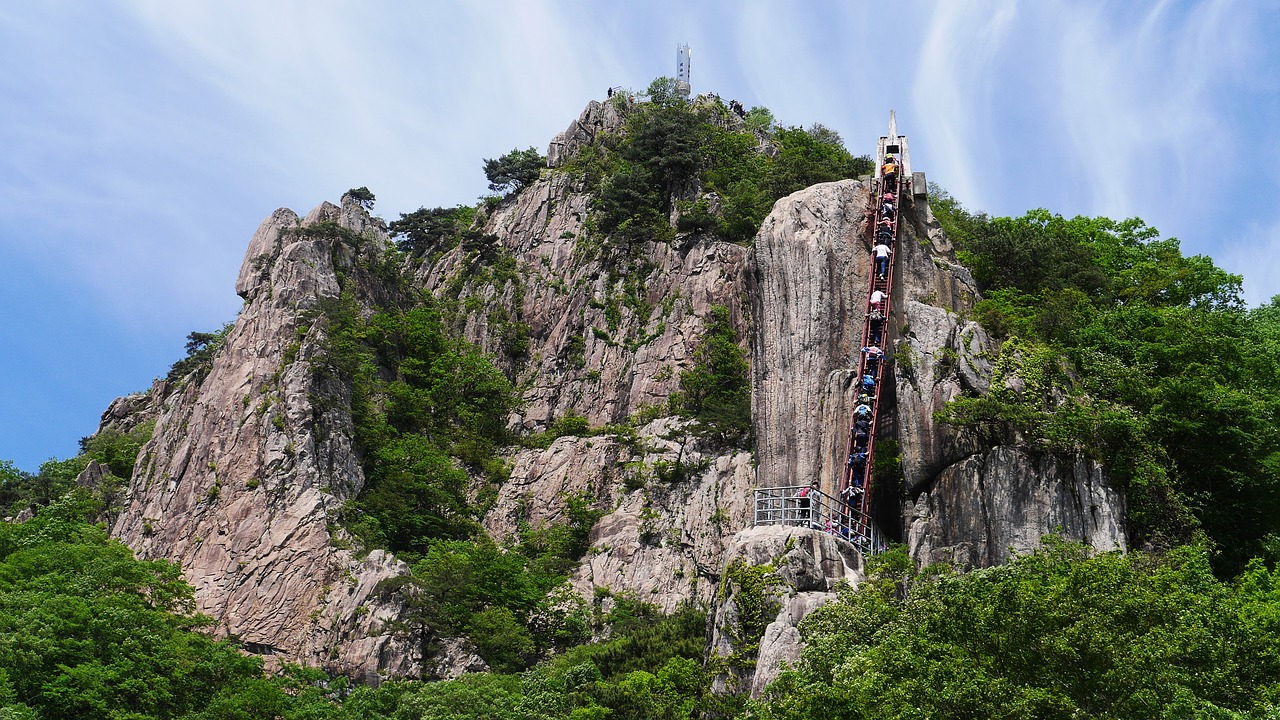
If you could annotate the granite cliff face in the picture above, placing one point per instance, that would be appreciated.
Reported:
(802, 570)
(809, 271)
(245, 473)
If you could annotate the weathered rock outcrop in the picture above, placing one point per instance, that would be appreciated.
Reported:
(608, 342)
(128, 412)
(598, 117)
(604, 341)
(661, 541)
(801, 570)
(244, 475)
(809, 273)
(243, 472)
(960, 500)
(981, 509)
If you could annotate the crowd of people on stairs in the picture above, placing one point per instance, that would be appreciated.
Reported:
(849, 515)
(862, 430)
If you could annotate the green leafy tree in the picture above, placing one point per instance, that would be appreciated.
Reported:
(87, 631)
(662, 92)
(1139, 356)
(514, 170)
(201, 349)
(427, 407)
(118, 450)
(426, 231)
(361, 195)
(805, 159)
(14, 486)
(760, 119)
(716, 391)
(1059, 633)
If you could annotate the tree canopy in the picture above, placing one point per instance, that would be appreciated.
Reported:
(514, 170)
(668, 147)
(1137, 355)
(1060, 633)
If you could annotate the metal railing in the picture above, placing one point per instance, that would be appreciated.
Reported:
(818, 511)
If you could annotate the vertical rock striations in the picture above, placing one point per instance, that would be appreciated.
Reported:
(809, 287)
(607, 341)
(243, 473)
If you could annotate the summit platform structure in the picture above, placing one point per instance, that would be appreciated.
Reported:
(847, 512)
(683, 85)
(891, 143)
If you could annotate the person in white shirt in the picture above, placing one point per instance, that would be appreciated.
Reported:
(882, 259)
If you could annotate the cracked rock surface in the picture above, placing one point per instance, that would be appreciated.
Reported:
(243, 478)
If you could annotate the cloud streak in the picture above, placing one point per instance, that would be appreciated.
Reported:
(145, 141)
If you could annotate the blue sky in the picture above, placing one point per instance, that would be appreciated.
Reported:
(142, 142)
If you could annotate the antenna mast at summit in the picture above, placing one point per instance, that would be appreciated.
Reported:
(683, 88)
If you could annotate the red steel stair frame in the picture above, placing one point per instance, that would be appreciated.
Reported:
(859, 505)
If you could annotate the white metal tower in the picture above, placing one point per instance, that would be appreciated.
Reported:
(682, 70)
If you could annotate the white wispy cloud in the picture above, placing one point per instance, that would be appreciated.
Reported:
(143, 141)
(1137, 97)
(953, 83)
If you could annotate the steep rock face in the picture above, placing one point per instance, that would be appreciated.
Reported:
(937, 354)
(598, 117)
(604, 341)
(660, 541)
(242, 473)
(803, 569)
(985, 507)
(809, 273)
(607, 341)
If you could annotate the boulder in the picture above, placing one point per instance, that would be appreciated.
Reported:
(801, 569)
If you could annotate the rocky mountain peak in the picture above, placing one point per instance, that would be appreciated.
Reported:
(244, 480)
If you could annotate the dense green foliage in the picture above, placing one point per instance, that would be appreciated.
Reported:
(1139, 356)
(361, 195)
(88, 632)
(428, 407)
(116, 450)
(650, 669)
(425, 232)
(1055, 634)
(430, 413)
(716, 391)
(514, 170)
(668, 146)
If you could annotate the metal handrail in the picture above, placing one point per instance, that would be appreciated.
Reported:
(818, 511)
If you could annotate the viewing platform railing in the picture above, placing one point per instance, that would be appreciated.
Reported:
(818, 511)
